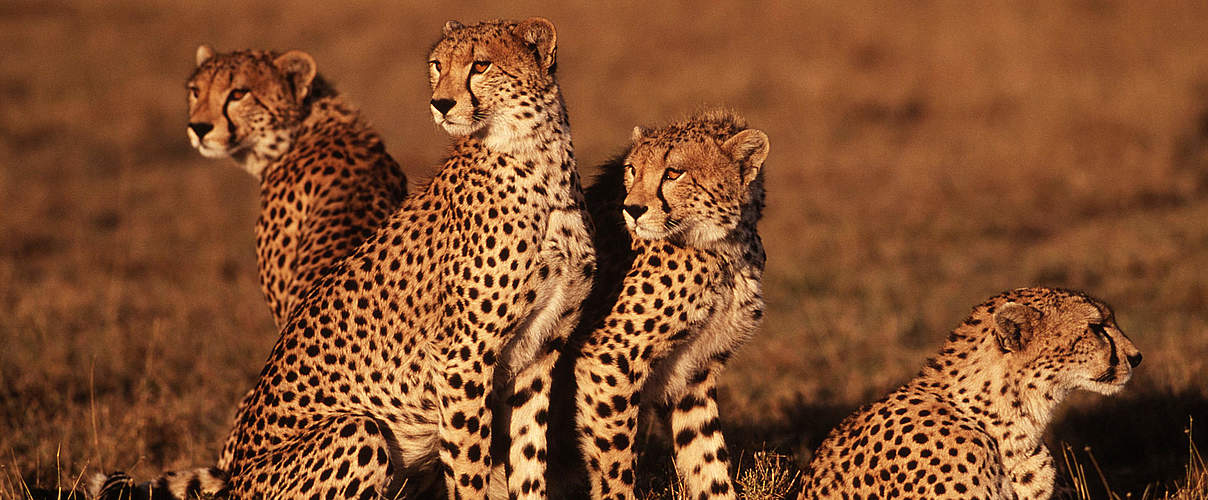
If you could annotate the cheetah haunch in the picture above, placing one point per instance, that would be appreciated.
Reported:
(690, 295)
(970, 425)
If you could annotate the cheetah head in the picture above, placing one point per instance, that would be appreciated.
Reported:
(695, 180)
(246, 103)
(487, 76)
(1067, 337)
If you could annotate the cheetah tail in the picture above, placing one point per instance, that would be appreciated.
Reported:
(178, 485)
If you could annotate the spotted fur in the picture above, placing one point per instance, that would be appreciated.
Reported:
(326, 183)
(381, 374)
(971, 424)
(472, 72)
(690, 295)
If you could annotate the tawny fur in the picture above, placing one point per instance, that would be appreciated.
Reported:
(971, 424)
(676, 302)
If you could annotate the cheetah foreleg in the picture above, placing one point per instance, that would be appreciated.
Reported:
(607, 417)
(568, 264)
(700, 450)
(465, 417)
(1032, 479)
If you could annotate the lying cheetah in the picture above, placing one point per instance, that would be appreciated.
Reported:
(689, 296)
(970, 425)
(326, 181)
(382, 373)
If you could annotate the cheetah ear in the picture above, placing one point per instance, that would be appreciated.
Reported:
(299, 69)
(452, 26)
(637, 134)
(1015, 325)
(749, 148)
(204, 53)
(539, 33)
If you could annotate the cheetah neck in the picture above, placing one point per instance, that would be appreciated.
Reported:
(537, 132)
(1013, 405)
(260, 158)
(270, 154)
(737, 245)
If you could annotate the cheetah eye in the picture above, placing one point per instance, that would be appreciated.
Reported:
(237, 94)
(672, 173)
(435, 65)
(480, 67)
(194, 92)
(629, 170)
(1098, 329)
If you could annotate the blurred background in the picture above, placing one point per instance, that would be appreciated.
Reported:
(924, 156)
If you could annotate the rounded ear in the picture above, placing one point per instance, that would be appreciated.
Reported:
(749, 148)
(1015, 325)
(299, 68)
(204, 53)
(539, 33)
(451, 26)
(637, 134)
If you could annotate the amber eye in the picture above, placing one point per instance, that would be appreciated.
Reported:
(480, 67)
(1099, 329)
(237, 94)
(435, 65)
(672, 174)
(194, 92)
(629, 170)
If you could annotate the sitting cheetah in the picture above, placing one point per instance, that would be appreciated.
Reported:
(689, 296)
(970, 425)
(326, 181)
(382, 372)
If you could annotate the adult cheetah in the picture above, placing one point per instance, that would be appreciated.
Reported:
(326, 181)
(970, 425)
(382, 373)
(690, 295)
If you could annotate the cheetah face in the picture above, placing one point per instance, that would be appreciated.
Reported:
(486, 77)
(690, 188)
(1074, 339)
(246, 102)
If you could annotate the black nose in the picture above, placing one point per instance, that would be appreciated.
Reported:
(201, 129)
(1134, 359)
(635, 211)
(443, 105)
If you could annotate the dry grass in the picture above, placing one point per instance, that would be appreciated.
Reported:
(925, 155)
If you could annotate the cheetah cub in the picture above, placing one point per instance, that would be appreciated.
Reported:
(970, 425)
(690, 296)
(326, 181)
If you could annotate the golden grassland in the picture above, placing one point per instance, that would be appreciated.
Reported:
(925, 155)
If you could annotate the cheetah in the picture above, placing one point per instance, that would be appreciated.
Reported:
(326, 180)
(687, 295)
(970, 425)
(381, 374)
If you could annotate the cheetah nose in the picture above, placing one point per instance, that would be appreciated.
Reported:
(201, 129)
(635, 211)
(1134, 359)
(443, 105)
